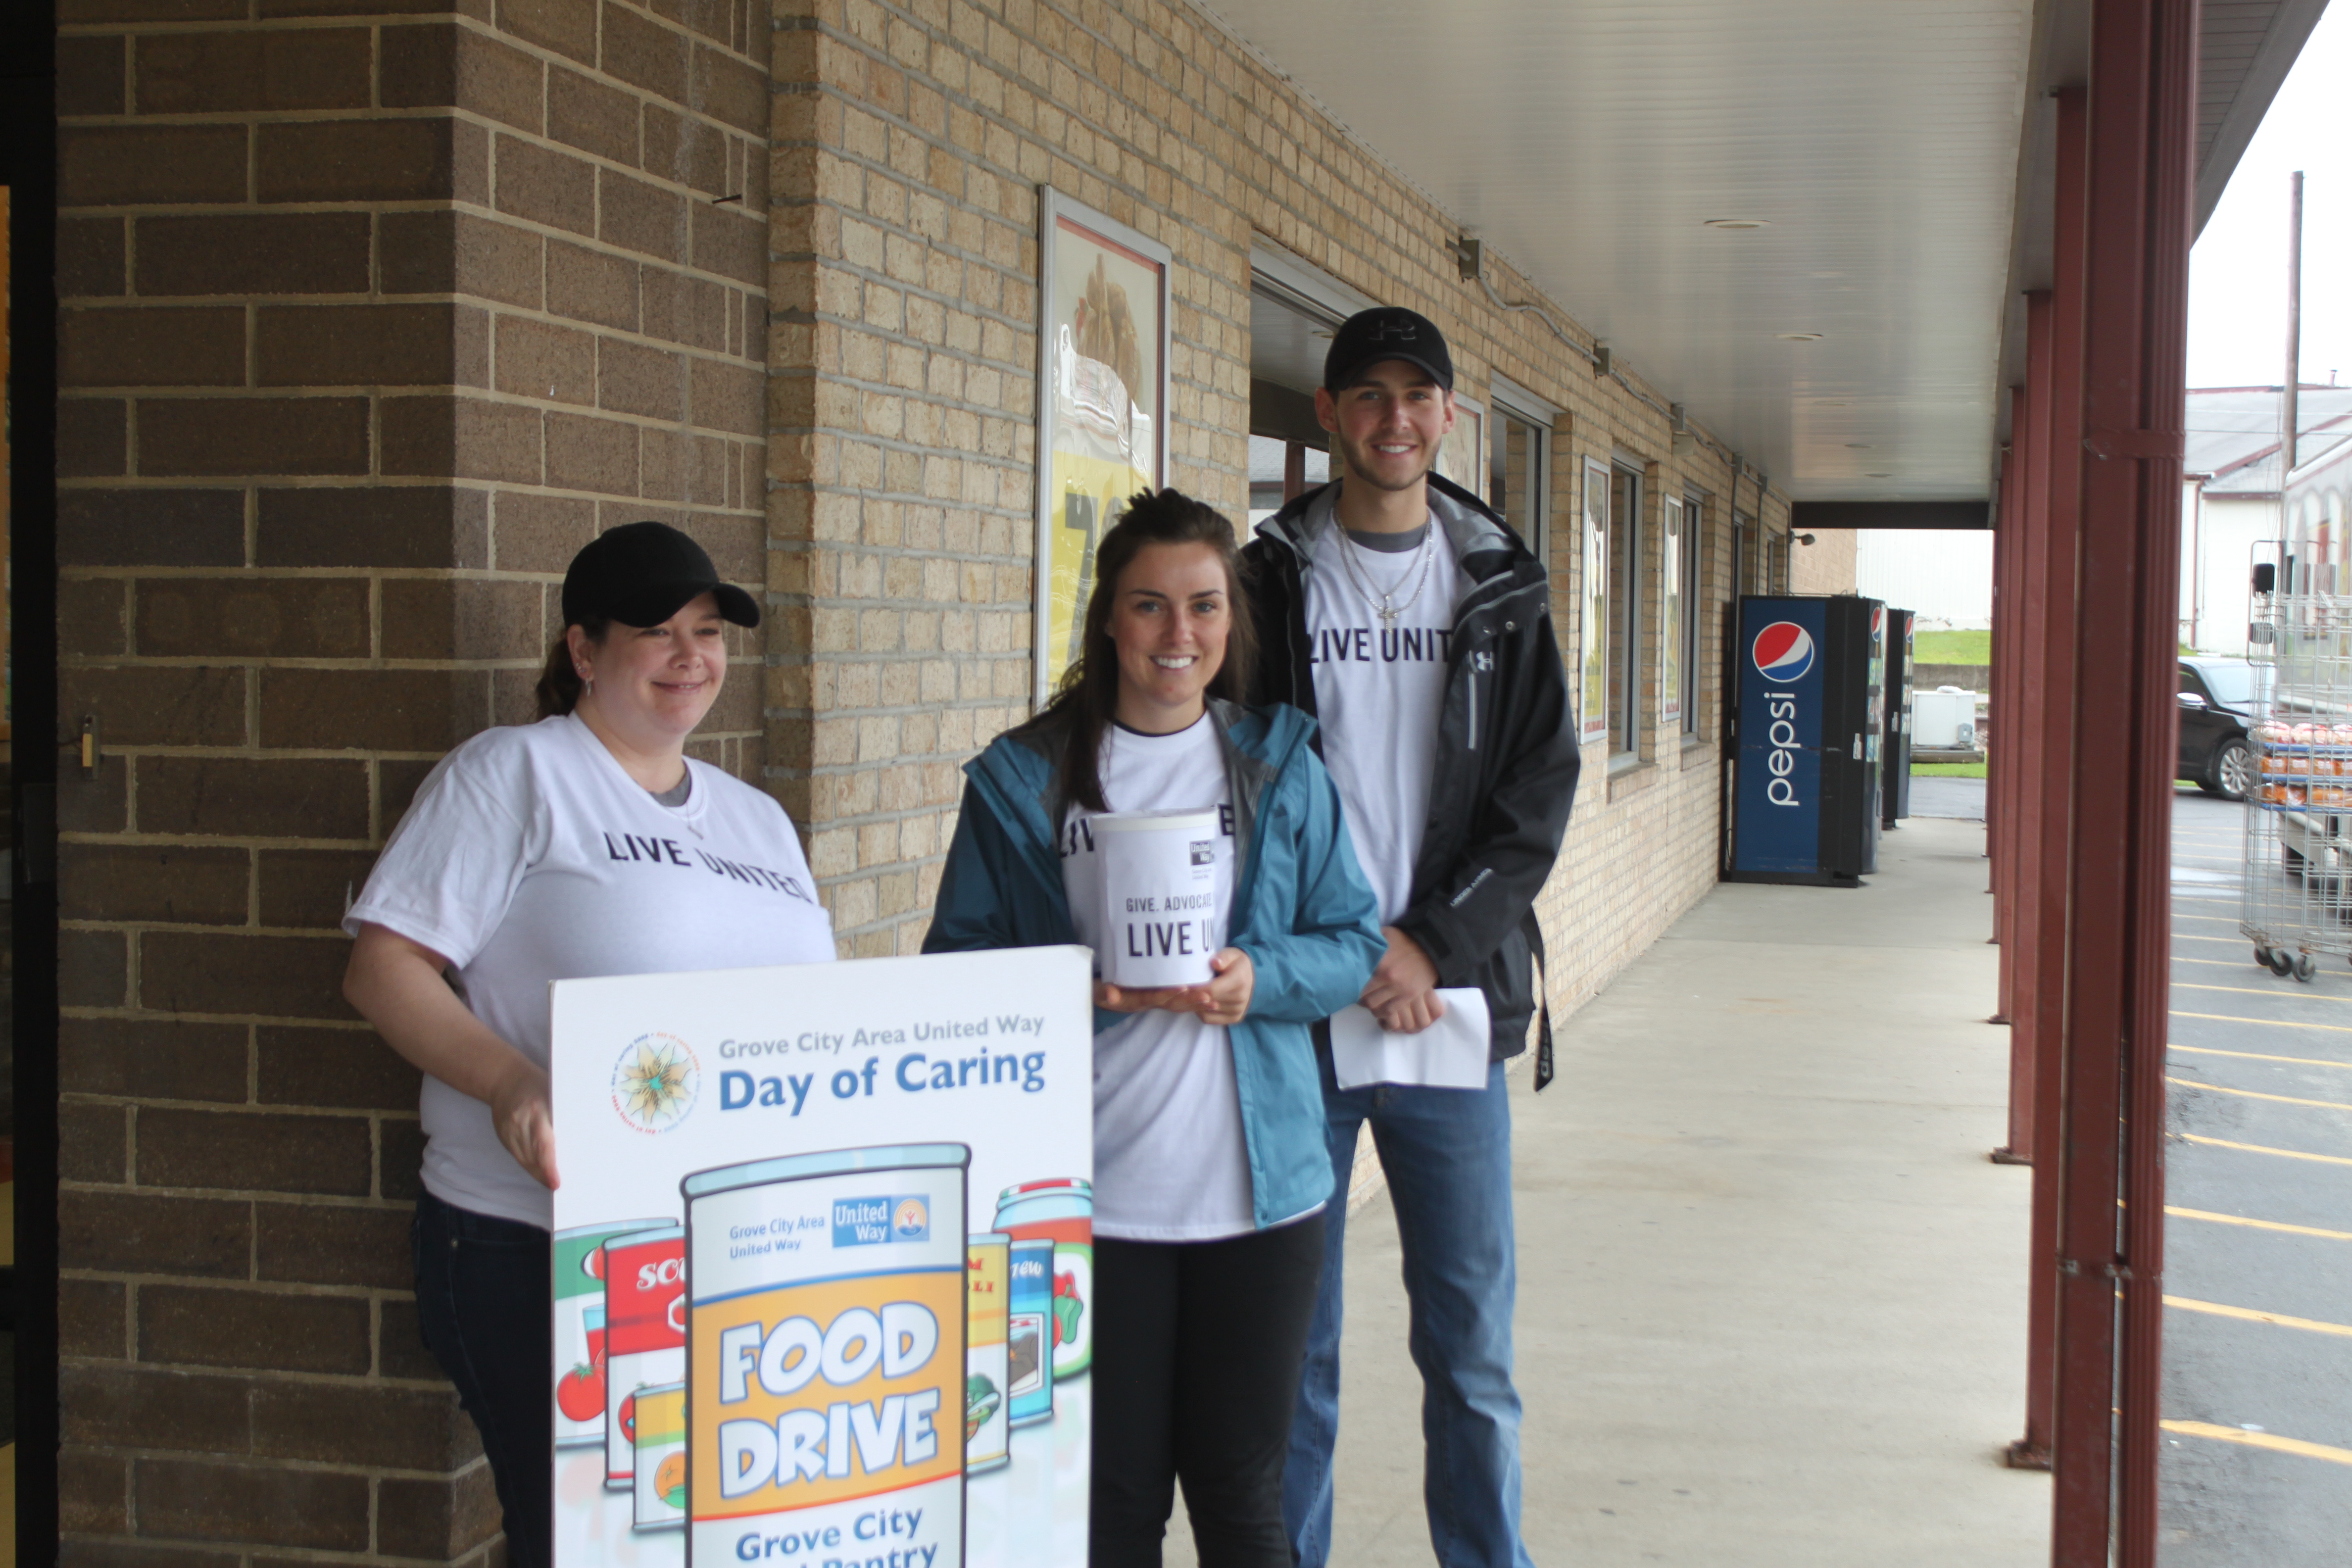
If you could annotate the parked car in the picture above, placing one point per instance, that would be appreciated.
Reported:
(2217, 697)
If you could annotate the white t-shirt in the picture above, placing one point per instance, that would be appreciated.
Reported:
(1172, 1163)
(1379, 687)
(529, 855)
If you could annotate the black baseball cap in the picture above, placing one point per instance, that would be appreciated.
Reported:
(1386, 332)
(642, 574)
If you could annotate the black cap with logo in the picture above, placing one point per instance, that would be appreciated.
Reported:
(1385, 333)
(642, 574)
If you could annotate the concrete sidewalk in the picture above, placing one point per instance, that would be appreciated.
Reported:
(1771, 1291)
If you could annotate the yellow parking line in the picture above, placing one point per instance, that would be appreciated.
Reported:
(2192, 936)
(2250, 1094)
(2218, 920)
(2247, 1314)
(2264, 1149)
(2257, 1223)
(2306, 993)
(2271, 1440)
(2216, 963)
(2271, 1023)
(2259, 1056)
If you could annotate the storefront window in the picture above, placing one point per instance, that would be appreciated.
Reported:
(1280, 471)
(1288, 454)
(1625, 628)
(1694, 555)
(1673, 546)
(1592, 596)
(1517, 487)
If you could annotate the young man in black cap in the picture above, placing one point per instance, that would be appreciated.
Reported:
(1410, 619)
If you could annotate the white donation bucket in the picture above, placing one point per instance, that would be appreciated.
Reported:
(1163, 917)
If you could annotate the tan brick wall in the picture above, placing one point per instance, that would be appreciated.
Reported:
(372, 320)
(1827, 565)
(909, 148)
(369, 322)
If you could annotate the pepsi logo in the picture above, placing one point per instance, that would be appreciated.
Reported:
(1783, 651)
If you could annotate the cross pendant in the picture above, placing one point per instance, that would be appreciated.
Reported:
(1388, 613)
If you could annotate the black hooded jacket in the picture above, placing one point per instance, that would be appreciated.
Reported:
(1506, 750)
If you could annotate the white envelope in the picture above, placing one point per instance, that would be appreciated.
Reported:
(1449, 1054)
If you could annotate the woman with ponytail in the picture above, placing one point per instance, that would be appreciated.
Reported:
(586, 844)
(1211, 1172)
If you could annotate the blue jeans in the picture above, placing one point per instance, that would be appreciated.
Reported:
(1447, 1153)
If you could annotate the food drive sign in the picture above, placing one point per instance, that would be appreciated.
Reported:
(788, 1194)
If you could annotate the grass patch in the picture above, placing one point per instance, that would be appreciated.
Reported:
(1952, 648)
(1947, 770)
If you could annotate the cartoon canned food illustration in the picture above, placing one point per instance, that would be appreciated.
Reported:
(987, 1407)
(659, 1483)
(826, 1393)
(1029, 1332)
(1062, 1211)
(645, 1334)
(579, 1265)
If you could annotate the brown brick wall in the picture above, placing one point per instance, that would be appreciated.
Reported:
(370, 320)
(911, 137)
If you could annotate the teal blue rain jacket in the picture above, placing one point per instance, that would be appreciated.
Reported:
(1302, 910)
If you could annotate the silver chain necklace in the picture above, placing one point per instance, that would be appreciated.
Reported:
(1385, 604)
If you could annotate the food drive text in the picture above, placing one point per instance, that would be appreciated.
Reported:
(807, 1444)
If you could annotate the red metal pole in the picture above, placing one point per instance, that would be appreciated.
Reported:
(2136, 233)
(2060, 369)
(1999, 754)
(2162, 410)
(2013, 763)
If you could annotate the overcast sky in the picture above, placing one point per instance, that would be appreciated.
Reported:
(2237, 274)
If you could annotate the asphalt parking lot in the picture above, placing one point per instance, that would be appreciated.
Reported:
(2258, 1234)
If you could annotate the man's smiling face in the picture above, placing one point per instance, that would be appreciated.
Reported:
(1388, 423)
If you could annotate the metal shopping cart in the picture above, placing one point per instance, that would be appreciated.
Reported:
(2298, 848)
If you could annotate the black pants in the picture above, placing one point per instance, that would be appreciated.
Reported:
(482, 1302)
(1197, 1357)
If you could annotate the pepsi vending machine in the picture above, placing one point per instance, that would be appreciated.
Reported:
(1895, 780)
(1806, 740)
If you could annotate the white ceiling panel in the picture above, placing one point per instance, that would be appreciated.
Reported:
(1588, 142)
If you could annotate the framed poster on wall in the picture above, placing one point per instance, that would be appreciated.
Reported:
(1592, 698)
(1102, 405)
(1462, 456)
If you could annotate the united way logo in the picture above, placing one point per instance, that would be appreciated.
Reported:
(1783, 652)
(876, 1221)
(655, 1082)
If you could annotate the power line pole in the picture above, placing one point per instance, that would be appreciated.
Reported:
(2287, 416)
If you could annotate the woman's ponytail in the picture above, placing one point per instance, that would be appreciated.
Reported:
(560, 685)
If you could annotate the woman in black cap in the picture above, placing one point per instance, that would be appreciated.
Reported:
(586, 844)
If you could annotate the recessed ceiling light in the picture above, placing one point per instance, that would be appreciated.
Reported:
(1738, 223)
(1799, 337)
